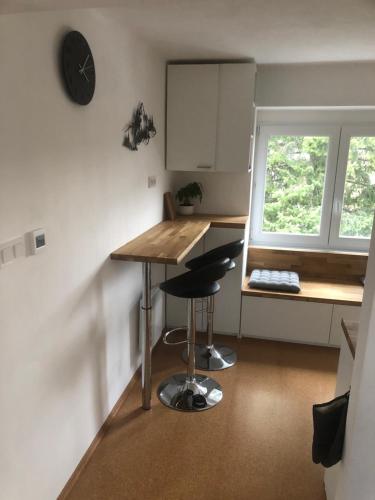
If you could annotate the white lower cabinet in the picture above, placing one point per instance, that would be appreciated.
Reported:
(350, 313)
(296, 321)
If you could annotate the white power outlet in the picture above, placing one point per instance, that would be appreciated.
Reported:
(151, 181)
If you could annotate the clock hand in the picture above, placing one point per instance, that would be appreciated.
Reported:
(84, 64)
(83, 67)
(81, 71)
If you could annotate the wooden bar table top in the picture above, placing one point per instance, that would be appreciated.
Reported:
(170, 241)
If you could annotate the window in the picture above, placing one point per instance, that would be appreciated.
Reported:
(354, 203)
(359, 195)
(314, 186)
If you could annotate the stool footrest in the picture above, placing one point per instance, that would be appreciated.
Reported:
(174, 330)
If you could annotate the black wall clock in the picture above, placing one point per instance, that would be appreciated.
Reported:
(78, 67)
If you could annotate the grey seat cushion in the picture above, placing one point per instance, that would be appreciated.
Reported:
(286, 281)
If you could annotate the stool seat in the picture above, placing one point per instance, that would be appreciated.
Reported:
(230, 251)
(198, 283)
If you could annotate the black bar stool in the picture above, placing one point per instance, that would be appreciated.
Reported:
(214, 357)
(190, 391)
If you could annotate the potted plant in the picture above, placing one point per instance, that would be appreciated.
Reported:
(186, 194)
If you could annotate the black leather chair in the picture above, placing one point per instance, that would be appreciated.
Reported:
(190, 391)
(214, 357)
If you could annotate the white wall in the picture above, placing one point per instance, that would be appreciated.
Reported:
(338, 116)
(328, 84)
(224, 193)
(69, 316)
(356, 475)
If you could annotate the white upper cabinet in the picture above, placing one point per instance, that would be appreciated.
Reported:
(193, 92)
(235, 117)
(210, 116)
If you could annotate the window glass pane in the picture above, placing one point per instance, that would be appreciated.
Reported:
(295, 174)
(359, 193)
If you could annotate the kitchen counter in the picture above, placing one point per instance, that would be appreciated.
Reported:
(313, 291)
(170, 241)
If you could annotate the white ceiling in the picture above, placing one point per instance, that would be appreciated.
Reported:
(270, 31)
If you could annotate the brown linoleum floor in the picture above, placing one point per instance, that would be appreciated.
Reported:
(255, 445)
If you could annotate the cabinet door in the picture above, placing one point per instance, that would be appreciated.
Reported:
(350, 313)
(276, 319)
(192, 97)
(176, 307)
(235, 116)
(228, 300)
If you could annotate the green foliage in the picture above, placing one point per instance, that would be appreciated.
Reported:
(186, 194)
(295, 184)
(359, 194)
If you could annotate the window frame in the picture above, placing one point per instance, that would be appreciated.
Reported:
(335, 240)
(259, 237)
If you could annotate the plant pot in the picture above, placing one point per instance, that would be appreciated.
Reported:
(186, 209)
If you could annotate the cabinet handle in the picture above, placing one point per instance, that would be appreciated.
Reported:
(204, 166)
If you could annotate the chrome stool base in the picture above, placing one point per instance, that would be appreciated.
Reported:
(212, 358)
(185, 393)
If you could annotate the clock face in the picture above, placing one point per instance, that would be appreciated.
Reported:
(78, 68)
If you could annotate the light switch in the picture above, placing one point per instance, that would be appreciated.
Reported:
(19, 249)
(7, 255)
(12, 250)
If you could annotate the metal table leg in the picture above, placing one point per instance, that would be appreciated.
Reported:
(191, 341)
(147, 336)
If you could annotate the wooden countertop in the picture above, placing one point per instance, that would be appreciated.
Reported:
(350, 329)
(229, 221)
(170, 241)
(314, 291)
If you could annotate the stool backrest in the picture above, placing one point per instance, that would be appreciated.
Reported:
(200, 282)
(230, 251)
(210, 272)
